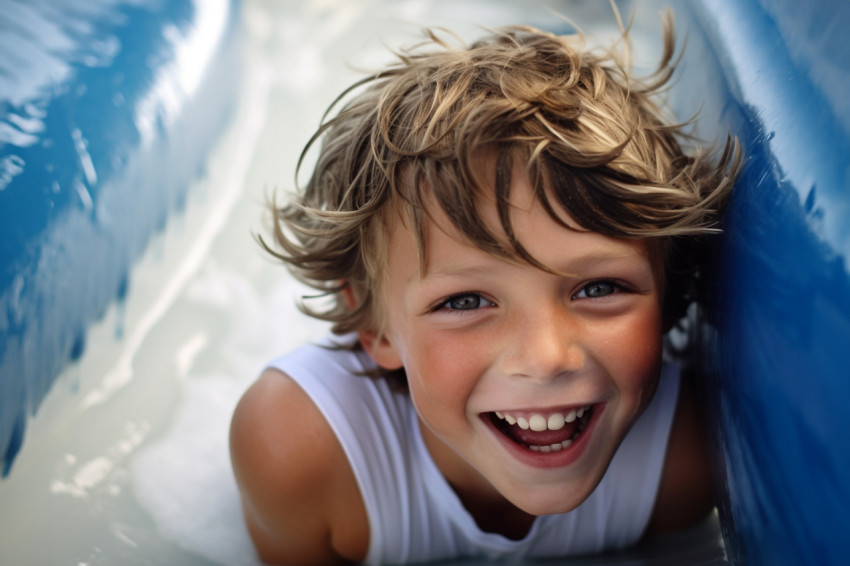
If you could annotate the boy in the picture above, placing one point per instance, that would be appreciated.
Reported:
(506, 232)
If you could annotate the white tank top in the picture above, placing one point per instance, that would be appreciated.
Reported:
(415, 516)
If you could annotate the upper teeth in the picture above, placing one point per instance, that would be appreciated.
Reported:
(538, 422)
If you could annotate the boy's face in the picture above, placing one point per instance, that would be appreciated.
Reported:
(490, 347)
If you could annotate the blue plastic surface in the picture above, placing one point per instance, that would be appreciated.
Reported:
(102, 127)
(777, 75)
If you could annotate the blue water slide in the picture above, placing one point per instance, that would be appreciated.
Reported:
(107, 111)
(777, 73)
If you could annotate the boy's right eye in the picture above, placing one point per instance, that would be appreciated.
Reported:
(465, 302)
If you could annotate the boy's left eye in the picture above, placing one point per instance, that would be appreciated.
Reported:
(597, 289)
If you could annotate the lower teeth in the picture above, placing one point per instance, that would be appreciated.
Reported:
(550, 447)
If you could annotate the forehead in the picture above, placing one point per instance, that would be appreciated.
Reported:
(515, 222)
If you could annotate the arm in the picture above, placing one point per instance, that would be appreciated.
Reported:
(685, 496)
(300, 499)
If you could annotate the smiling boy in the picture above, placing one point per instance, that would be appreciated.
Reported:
(507, 230)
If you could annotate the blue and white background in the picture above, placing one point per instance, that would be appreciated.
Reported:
(138, 141)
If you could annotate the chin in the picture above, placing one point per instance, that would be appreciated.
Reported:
(550, 503)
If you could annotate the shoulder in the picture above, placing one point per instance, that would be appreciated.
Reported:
(300, 498)
(685, 495)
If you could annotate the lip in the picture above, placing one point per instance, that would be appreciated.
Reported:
(559, 459)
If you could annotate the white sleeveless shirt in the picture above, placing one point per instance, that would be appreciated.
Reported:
(415, 516)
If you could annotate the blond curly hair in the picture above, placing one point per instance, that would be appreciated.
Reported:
(592, 138)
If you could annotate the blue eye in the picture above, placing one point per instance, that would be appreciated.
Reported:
(597, 289)
(466, 302)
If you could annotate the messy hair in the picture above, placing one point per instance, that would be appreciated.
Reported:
(591, 137)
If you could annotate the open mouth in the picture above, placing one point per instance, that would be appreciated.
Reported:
(543, 432)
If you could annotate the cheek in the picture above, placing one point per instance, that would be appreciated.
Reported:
(443, 368)
(633, 353)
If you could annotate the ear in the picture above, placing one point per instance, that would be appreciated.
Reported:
(379, 347)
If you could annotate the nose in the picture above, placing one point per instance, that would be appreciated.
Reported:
(544, 344)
